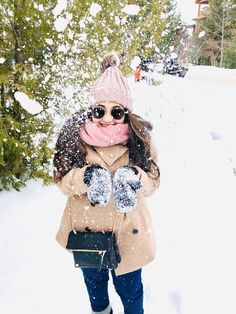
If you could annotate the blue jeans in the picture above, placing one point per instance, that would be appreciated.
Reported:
(128, 286)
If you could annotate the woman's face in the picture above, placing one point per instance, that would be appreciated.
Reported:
(108, 113)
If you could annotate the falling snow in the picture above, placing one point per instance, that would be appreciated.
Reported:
(61, 5)
(28, 104)
(131, 9)
(61, 24)
(95, 8)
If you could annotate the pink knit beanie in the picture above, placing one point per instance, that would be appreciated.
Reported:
(111, 85)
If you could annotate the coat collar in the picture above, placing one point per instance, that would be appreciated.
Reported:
(111, 153)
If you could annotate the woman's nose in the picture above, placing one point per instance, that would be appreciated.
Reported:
(107, 117)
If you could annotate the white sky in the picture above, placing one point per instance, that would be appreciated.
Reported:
(188, 9)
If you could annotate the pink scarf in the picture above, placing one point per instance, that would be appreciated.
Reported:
(105, 136)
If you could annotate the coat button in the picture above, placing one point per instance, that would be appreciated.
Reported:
(135, 231)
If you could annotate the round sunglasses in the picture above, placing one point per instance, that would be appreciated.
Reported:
(116, 112)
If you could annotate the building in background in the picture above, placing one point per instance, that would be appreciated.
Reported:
(202, 12)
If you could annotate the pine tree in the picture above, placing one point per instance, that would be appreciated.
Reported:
(230, 55)
(219, 28)
(173, 29)
(24, 153)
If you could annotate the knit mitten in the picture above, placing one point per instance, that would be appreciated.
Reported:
(125, 185)
(99, 184)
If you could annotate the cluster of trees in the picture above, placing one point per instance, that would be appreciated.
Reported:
(50, 50)
(218, 45)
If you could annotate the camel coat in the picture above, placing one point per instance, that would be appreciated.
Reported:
(133, 229)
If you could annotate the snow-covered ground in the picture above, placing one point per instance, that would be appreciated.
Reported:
(193, 212)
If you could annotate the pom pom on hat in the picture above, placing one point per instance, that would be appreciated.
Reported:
(109, 60)
(111, 85)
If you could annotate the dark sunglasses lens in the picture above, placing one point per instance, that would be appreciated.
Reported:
(98, 112)
(117, 113)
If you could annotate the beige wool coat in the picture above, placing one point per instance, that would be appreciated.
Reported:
(133, 229)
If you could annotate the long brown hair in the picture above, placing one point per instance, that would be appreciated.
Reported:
(70, 150)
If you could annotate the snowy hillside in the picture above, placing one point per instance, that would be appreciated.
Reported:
(193, 212)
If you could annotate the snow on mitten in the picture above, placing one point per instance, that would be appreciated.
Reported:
(125, 185)
(98, 180)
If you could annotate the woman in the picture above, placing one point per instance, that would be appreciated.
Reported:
(105, 164)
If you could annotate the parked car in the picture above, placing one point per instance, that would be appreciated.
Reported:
(172, 67)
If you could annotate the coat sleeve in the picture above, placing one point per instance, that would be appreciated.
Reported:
(150, 180)
(73, 182)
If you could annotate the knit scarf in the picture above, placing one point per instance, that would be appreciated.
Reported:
(103, 136)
